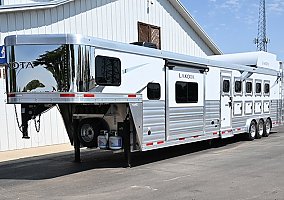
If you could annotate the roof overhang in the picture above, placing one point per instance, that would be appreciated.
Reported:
(32, 6)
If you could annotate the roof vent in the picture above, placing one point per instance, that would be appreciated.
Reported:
(145, 44)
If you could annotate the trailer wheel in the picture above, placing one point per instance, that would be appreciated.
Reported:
(89, 129)
(252, 131)
(260, 129)
(267, 128)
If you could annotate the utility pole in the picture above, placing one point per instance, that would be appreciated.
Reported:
(261, 41)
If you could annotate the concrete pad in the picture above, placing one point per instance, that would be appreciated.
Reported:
(33, 152)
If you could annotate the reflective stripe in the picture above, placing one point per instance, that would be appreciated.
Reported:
(67, 95)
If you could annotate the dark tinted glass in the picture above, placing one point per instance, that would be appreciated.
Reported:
(186, 92)
(108, 71)
(248, 87)
(238, 86)
(266, 88)
(153, 91)
(258, 87)
(226, 86)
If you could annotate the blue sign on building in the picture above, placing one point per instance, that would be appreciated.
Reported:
(3, 59)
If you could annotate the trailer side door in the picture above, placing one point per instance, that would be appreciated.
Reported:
(185, 101)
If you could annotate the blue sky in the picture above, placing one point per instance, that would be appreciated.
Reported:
(232, 24)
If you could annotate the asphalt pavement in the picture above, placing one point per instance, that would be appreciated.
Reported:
(231, 169)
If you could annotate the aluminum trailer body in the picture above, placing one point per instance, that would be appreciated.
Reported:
(141, 97)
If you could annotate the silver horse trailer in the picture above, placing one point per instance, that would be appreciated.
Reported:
(126, 97)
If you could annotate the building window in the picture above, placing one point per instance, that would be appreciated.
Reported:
(108, 71)
(248, 88)
(186, 92)
(149, 33)
(153, 91)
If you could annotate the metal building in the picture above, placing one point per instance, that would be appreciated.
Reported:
(165, 23)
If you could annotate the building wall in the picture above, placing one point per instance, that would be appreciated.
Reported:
(109, 19)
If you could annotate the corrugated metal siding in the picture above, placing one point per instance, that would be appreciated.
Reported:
(109, 19)
(186, 121)
(212, 113)
(153, 119)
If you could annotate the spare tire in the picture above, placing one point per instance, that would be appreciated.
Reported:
(89, 129)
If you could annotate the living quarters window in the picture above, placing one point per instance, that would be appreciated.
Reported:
(153, 91)
(248, 88)
(149, 33)
(108, 71)
(186, 92)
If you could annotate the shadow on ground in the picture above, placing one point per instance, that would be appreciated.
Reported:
(61, 164)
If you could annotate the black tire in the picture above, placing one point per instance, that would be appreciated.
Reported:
(267, 128)
(252, 131)
(89, 129)
(260, 129)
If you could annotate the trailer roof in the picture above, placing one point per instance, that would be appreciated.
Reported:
(57, 39)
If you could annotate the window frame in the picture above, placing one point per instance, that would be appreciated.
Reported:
(241, 92)
(257, 81)
(149, 26)
(248, 93)
(159, 91)
(226, 78)
(267, 94)
(194, 101)
(96, 72)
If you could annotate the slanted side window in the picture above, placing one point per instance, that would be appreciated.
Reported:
(108, 71)
(186, 92)
(248, 88)
(153, 91)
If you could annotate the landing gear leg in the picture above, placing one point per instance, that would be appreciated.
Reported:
(126, 142)
(76, 142)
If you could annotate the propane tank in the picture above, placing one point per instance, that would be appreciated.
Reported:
(115, 142)
(103, 139)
